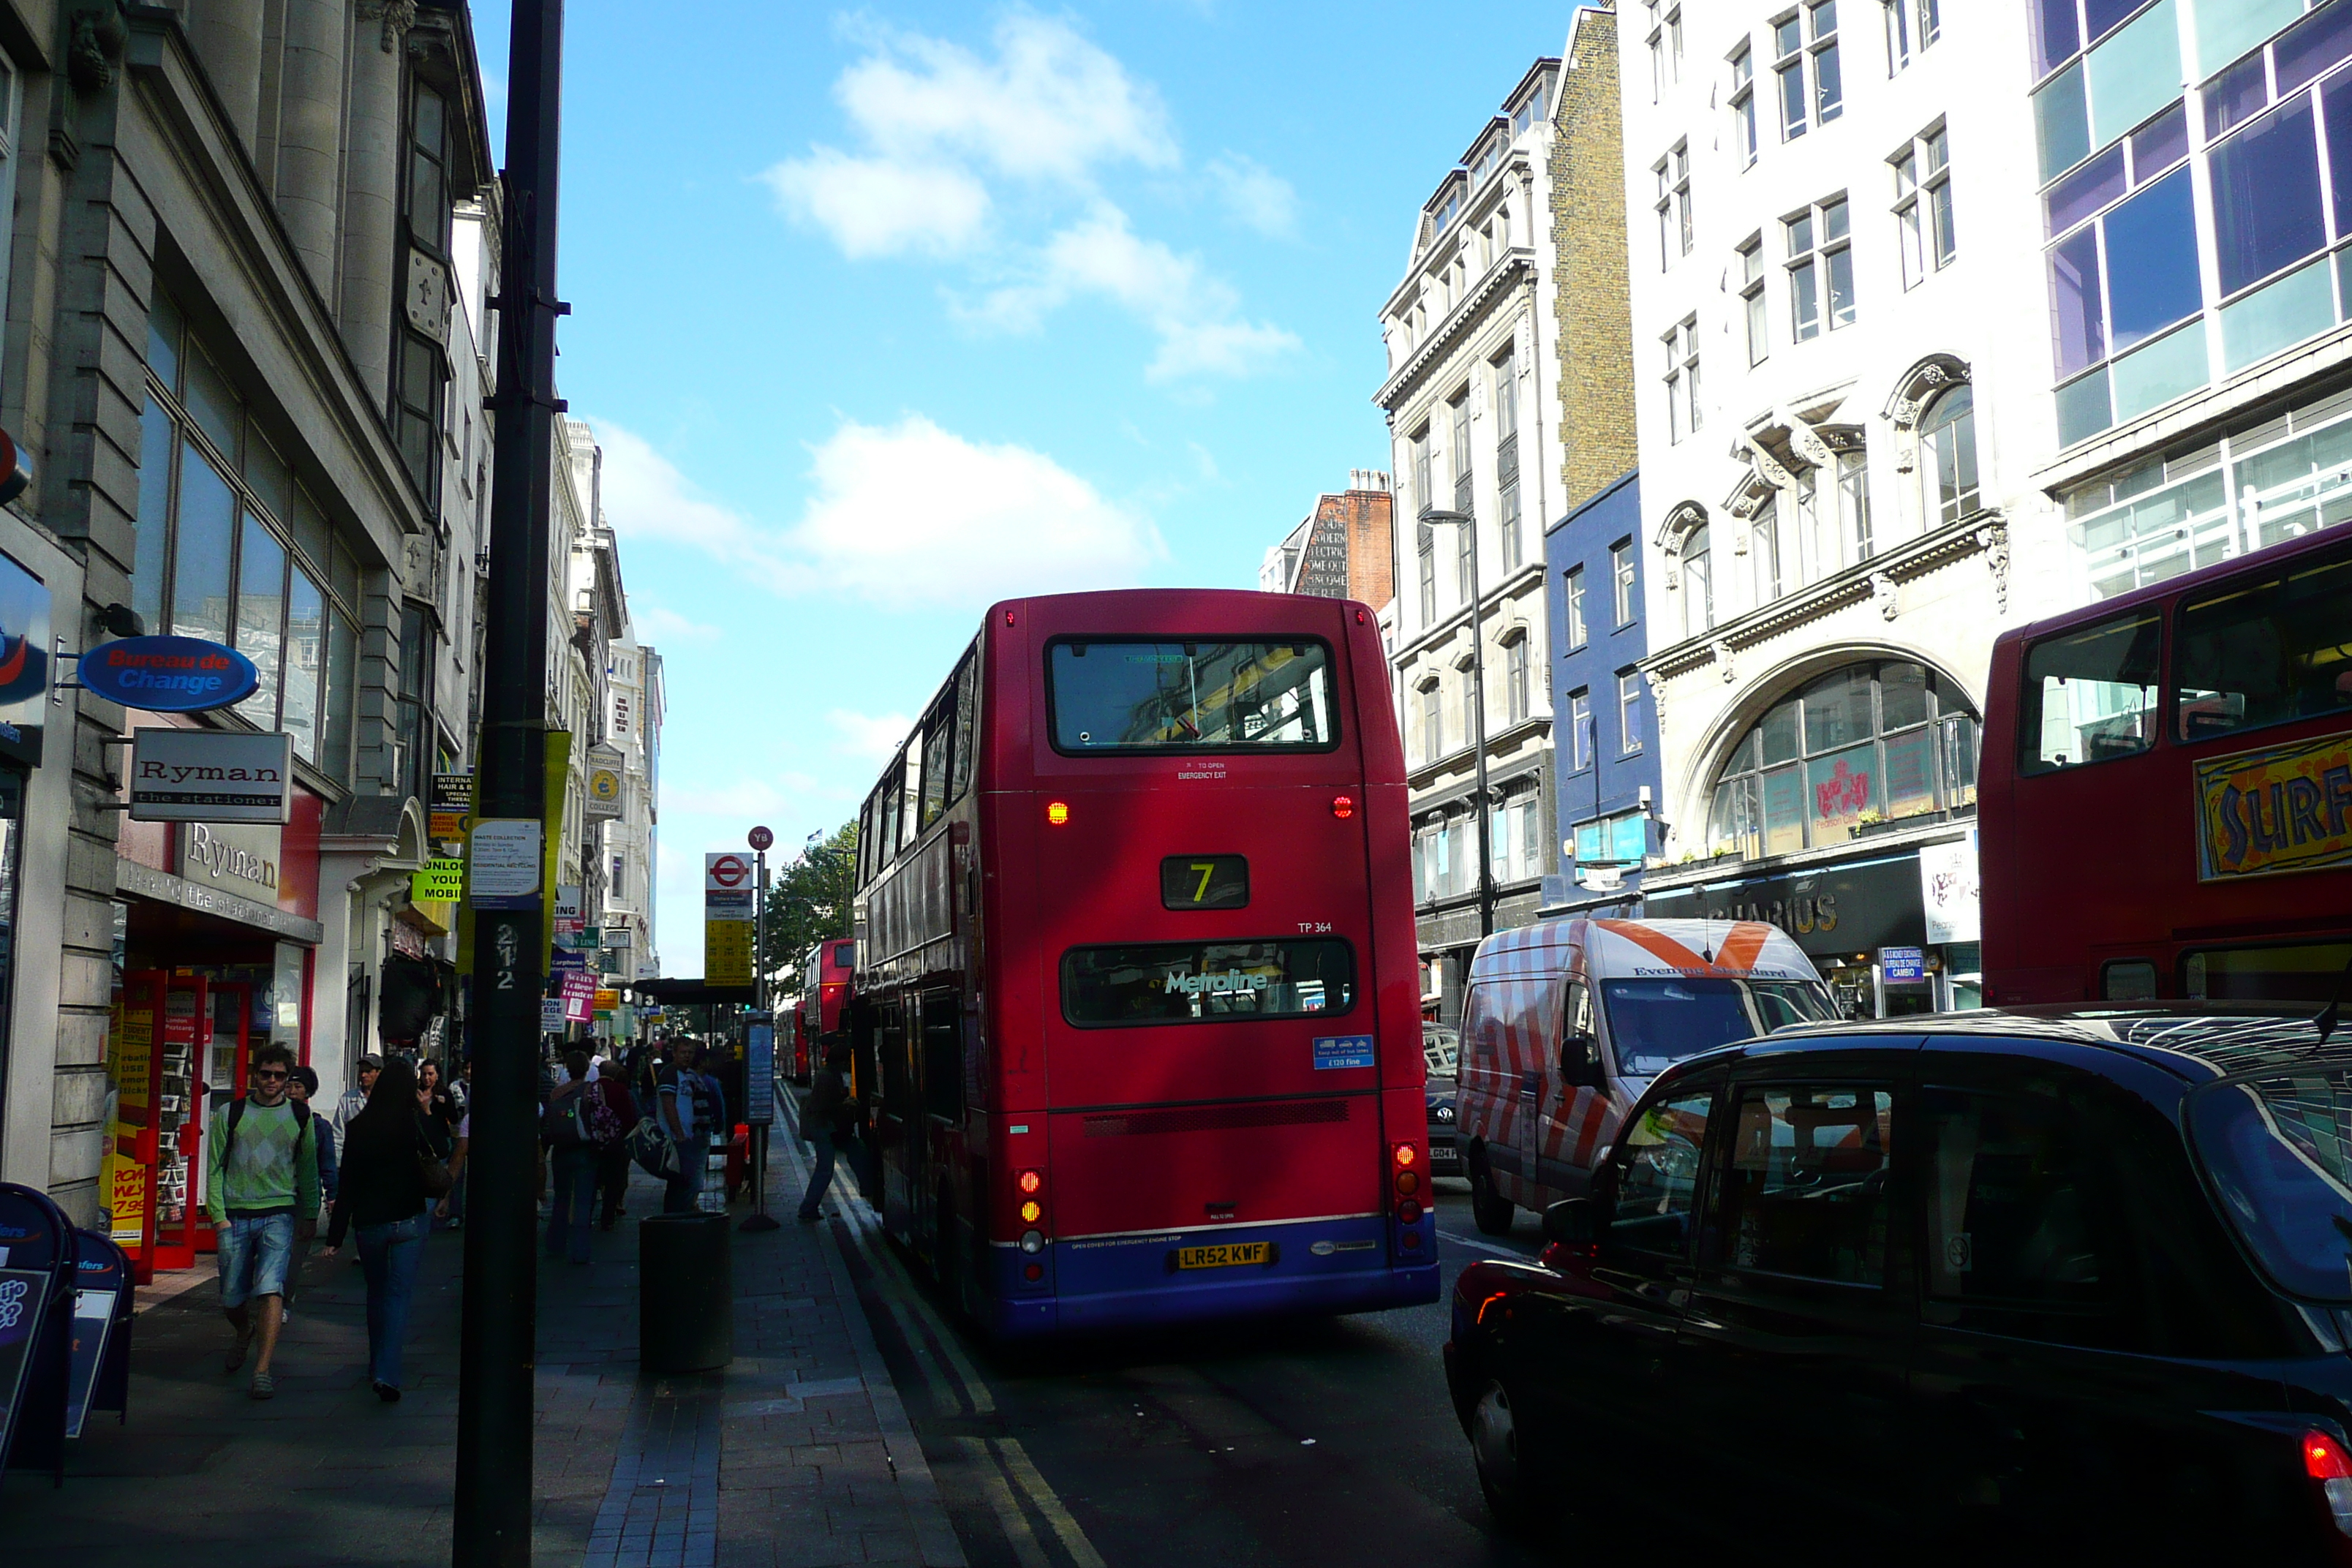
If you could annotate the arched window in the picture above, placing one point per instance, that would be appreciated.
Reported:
(1948, 444)
(1866, 743)
(1698, 583)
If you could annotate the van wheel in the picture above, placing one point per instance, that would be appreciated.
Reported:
(1490, 1209)
(1494, 1443)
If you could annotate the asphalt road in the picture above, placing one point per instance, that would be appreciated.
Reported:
(1326, 1441)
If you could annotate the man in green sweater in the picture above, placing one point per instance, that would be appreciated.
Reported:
(261, 1191)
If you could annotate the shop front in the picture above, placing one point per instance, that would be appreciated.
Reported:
(215, 937)
(44, 1115)
(1893, 932)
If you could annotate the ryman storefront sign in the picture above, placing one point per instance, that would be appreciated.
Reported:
(211, 775)
(241, 859)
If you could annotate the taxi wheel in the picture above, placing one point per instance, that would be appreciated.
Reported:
(1494, 1448)
(1490, 1209)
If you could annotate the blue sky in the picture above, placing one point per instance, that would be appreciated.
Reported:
(884, 313)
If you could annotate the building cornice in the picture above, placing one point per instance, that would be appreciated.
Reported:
(1515, 265)
(1439, 633)
(1984, 533)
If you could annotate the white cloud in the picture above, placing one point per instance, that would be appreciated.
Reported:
(665, 628)
(939, 127)
(1051, 106)
(649, 501)
(911, 515)
(1255, 195)
(903, 516)
(881, 206)
(1194, 314)
(874, 737)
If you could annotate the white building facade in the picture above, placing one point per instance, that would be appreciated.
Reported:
(1844, 417)
(1471, 354)
(631, 842)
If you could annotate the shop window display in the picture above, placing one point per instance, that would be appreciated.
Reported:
(1868, 744)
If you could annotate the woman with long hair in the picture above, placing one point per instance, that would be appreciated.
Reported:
(381, 1191)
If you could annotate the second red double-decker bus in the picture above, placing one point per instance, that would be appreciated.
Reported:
(824, 976)
(1137, 1011)
(2166, 788)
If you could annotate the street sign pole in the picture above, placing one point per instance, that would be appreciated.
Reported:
(760, 1094)
(494, 1495)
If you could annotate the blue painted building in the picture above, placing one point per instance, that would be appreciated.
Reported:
(1604, 729)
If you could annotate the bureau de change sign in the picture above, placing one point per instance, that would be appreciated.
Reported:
(210, 775)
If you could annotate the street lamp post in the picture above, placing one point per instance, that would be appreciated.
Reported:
(1478, 713)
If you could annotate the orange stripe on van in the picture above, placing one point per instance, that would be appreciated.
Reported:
(1738, 954)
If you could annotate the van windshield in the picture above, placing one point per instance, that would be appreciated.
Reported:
(1655, 1023)
(2279, 1151)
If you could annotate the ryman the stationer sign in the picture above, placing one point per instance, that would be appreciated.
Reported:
(210, 775)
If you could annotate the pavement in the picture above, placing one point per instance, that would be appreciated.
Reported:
(799, 1454)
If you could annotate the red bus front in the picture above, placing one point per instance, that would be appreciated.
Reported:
(2166, 789)
(1197, 1051)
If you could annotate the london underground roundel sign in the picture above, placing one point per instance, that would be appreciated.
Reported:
(169, 675)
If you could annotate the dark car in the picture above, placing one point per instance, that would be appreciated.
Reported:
(1440, 1050)
(2079, 1277)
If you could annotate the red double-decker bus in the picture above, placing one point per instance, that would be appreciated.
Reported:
(1136, 1012)
(824, 971)
(2166, 791)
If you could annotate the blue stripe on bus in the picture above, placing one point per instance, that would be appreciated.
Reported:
(1129, 1282)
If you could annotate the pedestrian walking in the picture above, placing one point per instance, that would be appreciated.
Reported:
(355, 1102)
(677, 1097)
(828, 1120)
(440, 1136)
(386, 1185)
(261, 1179)
(439, 1102)
(301, 1086)
(620, 1108)
(570, 1129)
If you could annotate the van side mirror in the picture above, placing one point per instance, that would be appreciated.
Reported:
(1579, 1061)
(1576, 1221)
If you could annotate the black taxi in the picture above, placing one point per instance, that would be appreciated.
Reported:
(2081, 1277)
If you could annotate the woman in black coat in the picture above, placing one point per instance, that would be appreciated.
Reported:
(381, 1192)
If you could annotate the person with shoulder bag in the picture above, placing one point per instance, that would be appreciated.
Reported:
(389, 1176)
(569, 1127)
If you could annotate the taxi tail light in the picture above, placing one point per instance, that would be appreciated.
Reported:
(2324, 1461)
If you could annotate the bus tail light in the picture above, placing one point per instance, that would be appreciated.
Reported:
(1057, 812)
(1030, 1182)
(1409, 1211)
(1343, 807)
(1407, 1180)
(1031, 1186)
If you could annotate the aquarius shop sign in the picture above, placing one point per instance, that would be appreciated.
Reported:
(2282, 808)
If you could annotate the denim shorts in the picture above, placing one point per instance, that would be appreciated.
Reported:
(255, 1252)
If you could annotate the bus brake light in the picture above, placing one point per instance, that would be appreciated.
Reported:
(1406, 1154)
(1058, 813)
(1030, 1181)
(1343, 807)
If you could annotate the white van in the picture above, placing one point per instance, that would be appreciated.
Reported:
(1567, 1021)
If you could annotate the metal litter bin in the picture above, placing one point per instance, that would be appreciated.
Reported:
(686, 1293)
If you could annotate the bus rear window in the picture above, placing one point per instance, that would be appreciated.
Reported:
(1111, 695)
(1188, 982)
(2278, 1153)
(2090, 696)
(845, 954)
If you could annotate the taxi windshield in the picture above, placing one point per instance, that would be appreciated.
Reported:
(1655, 1022)
(2279, 1152)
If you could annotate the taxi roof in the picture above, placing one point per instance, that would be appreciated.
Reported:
(2192, 1039)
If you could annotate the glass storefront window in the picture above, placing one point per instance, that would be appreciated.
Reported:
(1866, 743)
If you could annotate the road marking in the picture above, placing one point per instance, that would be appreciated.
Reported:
(1074, 1539)
(1014, 1523)
(928, 1340)
(1491, 1249)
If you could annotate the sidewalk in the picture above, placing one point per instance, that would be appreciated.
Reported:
(798, 1454)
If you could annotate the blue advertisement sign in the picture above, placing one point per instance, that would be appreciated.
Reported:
(1343, 1051)
(1903, 965)
(169, 675)
(24, 662)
